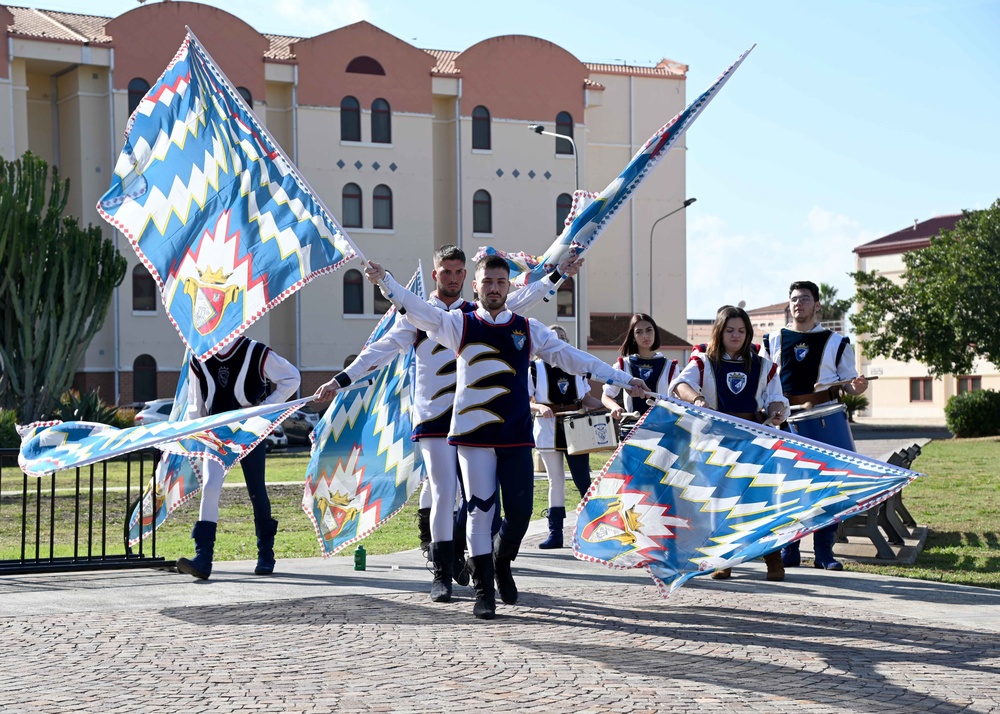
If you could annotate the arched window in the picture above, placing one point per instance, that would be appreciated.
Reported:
(380, 302)
(350, 213)
(482, 212)
(564, 126)
(565, 305)
(564, 204)
(382, 207)
(144, 379)
(247, 97)
(481, 128)
(381, 122)
(137, 89)
(143, 290)
(365, 65)
(350, 358)
(350, 119)
(354, 297)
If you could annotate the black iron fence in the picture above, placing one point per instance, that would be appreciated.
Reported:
(75, 519)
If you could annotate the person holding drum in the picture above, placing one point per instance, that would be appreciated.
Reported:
(814, 365)
(640, 359)
(555, 392)
(730, 377)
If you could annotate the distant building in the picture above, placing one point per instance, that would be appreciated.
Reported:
(905, 390)
(410, 148)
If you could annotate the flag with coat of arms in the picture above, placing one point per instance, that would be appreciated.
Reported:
(692, 490)
(364, 466)
(215, 210)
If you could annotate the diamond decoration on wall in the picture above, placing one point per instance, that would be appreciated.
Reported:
(547, 175)
(376, 165)
(515, 173)
(499, 172)
(392, 166)
(531, 174)
(358, 165)
(340, 163)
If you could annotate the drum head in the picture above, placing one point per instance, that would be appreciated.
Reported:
(818, 413)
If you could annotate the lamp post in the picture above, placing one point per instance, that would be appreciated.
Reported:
(686, 203)
(540, 130)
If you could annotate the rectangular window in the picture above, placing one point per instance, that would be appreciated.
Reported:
(969, 384)
(921, 389)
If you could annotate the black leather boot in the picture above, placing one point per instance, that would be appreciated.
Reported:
(482, 580)
(424, 529)
(204, 547)
(443, 557)
(266, 531)
(503, 555)
(555, 540)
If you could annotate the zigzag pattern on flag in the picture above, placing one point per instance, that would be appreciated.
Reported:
(693, 490)
(592, 212)
(215, 210)
(364, 466)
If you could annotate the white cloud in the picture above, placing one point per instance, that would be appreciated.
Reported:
(726, 265)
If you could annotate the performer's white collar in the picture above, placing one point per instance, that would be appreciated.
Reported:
(502, 317)
(818, 327)
(438, 302)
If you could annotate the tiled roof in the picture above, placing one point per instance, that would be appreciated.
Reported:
(917, 236)
(776, 307)
(281, 47)
(445, 61)
(608, 330)
(52, 25)
(665, 68)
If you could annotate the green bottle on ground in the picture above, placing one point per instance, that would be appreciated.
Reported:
(360, 558)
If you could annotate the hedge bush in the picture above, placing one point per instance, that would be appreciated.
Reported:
(8, 433)
(974, 414)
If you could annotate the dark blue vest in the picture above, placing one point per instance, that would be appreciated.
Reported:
(562, 385)
(439, 425)
(736, 386)
(225, 371)
(649, 371)
(801, 358)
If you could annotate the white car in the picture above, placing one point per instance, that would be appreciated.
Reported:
(276, 439)
(156, 410)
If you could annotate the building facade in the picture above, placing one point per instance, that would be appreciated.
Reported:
(905, 390)
(410, 148)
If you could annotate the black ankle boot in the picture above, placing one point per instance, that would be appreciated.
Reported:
(503, 555)
(555, 540)
(266, 531)
(424, 529)
(204, 547)
(482, 580)
(443, 557)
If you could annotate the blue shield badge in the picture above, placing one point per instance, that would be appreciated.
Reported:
(801, 350)
(736, 381)
(563, 385)
(519, 339)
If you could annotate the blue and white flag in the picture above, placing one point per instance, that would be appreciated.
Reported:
(223, 220)
(364, 465)
(693, 490)
(592, 212)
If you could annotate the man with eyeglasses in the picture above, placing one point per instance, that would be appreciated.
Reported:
(808, 356)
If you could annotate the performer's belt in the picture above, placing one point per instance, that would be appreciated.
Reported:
(562, 408)
(830, 394)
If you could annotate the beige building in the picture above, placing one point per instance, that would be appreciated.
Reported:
(905, 390)
(410, 148)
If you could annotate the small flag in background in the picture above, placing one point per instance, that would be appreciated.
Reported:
(213, 207)
(691, 491)
(364, 465)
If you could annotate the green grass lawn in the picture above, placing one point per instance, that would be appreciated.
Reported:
(959, 500)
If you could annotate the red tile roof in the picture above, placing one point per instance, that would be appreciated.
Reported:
(51, 25)
(912, 238)
(445, 62)
(281, 47)
(607, 329)
(665, 68)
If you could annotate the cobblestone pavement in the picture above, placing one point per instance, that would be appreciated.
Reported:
(319, 636)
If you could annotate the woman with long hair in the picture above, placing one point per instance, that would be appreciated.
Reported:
(730, 377)
(639, 357)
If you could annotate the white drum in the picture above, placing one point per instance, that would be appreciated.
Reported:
(589, 432)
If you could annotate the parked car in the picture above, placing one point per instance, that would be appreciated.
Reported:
(276, 439)
(156, 410)
(300, 425)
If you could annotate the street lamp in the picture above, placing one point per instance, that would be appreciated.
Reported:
(686, 203)
(540, 130)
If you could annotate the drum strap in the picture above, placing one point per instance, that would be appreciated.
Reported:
(831, 394)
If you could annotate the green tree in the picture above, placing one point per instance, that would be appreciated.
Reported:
(55, 288)
(944, 312)
(834, 310)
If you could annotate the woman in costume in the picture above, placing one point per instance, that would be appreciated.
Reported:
(730, 377)
(640, 359)
(554, 392)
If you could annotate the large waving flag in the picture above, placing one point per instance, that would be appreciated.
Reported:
(592, 212)
(52, 446)
(364, 465)
(691, 491)
(213, 207)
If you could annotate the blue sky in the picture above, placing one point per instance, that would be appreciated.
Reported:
(847, 122)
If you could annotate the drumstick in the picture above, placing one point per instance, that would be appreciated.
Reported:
(804, 406)
(819, 385)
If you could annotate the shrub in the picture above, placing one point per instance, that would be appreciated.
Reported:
(87, 407)
(974, 414)
(124, 418)
(855, 403)
(8, 433)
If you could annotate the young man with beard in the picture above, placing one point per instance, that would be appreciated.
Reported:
(808, 356)
(434, 395)
(491, 420)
